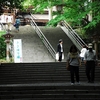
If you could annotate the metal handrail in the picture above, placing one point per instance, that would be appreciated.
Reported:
(42, 37)
(73, 36)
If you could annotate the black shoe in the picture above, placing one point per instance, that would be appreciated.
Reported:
(92, 82)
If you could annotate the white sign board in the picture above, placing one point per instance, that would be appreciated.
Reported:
(17, 50)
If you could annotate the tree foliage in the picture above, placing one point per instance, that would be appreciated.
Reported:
(75, 12)
(11, 4)
(2, 48)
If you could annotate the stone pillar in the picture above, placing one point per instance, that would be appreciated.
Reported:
(96, 38)
(96, 47)
(7, 37)
(7, 50)
(50, 13)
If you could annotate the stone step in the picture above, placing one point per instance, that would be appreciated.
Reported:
(48, 92)
(45, 81)
(20, 73)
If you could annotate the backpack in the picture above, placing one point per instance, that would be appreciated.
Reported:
(17, 21)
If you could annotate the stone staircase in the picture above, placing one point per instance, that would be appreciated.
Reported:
(53, 34)
(33, 50)
(31, 40)
(45, 81)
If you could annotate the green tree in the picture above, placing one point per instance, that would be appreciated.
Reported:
(84, 13)
(75, 12)
(2, 45)
(2, 48)
(11, 4)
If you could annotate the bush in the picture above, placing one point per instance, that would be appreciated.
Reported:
(2, 48)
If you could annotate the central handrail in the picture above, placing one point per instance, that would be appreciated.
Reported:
(42, 37)
(73, 35)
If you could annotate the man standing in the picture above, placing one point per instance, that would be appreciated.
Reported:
(9, 21)
(90, 59)
(60, 49)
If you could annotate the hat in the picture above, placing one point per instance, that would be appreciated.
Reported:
(60, 40)
(90, 45)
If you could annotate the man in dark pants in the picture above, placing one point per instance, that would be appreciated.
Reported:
(90, 62)
(60, 49)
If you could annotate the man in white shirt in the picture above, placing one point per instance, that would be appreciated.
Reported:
(90, 60)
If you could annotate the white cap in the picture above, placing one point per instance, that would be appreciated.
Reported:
(90, 45)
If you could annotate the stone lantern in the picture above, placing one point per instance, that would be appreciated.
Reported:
(7, 37)
(59, 7)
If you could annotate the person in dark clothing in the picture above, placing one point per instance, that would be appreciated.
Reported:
(90, 60)
(60, 49)
(17, 23)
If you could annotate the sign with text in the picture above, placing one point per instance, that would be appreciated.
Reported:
(17, 50)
